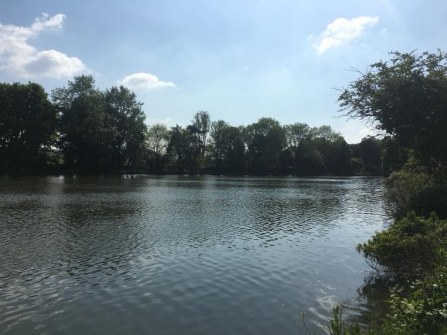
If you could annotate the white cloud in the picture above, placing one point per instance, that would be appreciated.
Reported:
(342, 31)
(23, 60)
(49, 63)
(156, 121)
(145, 81)
(165, 120)
(355, 131)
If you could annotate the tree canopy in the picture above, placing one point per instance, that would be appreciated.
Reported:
(100, 131)
(27, 126)
(405, 97)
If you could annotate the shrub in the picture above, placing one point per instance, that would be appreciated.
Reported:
(409, 249)
(424, 311)
(402, 189)
(431, 198)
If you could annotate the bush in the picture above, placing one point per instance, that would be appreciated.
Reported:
(339, 327)
(424, 311)
(431, 198)
(409, 249)
(402, 188)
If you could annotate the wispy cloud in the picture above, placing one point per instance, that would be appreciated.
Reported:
(341, 31)
(144, 81)
(355, 131)
(21, 59)
(155, 121)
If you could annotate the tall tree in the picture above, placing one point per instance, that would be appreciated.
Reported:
(370, 153)
(323, 151)
(125, 119)
(393, 157)
(27, 126)
(295, 134)
(265, 140)
(233, 150)
(217, 134)
(405, 97)
(158, 137)
(337, 155)
(82, 127)
(182, 149)
(202, 122)
(310, 160)
(325, 132)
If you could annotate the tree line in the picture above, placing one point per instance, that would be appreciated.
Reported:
(82, 129)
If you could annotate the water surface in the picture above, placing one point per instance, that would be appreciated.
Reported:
(181, 255)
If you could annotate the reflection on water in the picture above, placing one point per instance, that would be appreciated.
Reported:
(193, 255)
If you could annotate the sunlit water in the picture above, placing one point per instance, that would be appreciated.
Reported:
(181, 255)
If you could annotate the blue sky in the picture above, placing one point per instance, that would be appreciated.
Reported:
(238, 60)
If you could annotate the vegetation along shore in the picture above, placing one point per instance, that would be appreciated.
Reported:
(406, 98)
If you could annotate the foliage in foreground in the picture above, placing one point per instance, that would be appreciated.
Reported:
(409, 249)
(423, 311)
(413, 252)
(414, 189)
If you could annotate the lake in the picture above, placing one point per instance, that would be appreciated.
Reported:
(180, 254)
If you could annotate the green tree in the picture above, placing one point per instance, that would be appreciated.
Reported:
(310, 160)
(337, 155)
(265, 140)
(125, 122)
(368, 156)
(323, 151)
(150, 161)
(99, 131)
(217, 135)
(325, 132)
(202, 124)
(295, 134)
(182, 149)
(84, 135)
(158, 136)
(393, 157)
(27, 127)
(405, 97)
(233, 149)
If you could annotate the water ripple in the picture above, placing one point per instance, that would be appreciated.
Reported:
(170, 255)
